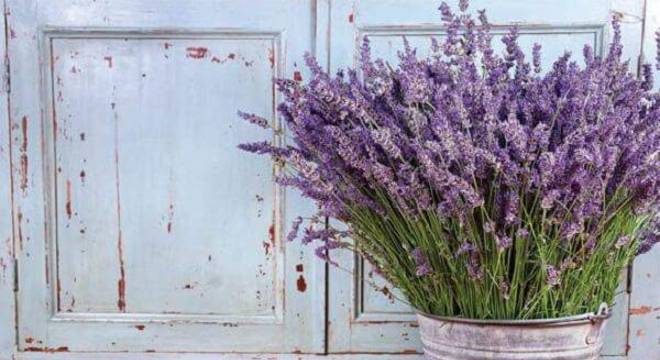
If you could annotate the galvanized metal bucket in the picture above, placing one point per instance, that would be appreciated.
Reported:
(569, 338)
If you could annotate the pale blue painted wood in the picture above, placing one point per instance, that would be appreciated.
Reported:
(7, 131)
(644, 336)
(142, 227)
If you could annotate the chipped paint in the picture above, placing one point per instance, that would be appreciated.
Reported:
(271, 58)
(67, 206)
(47, 349)
(266, 246)
(121, 283)
(271, 234)
(58, 290)
(301, 284)
(19, 217)
(644, 309)
(170, 217)
(23, 170)
(351, 17)
(299, 268)
(297, 76)
(196, 52)
(140, 327)
(108, 59)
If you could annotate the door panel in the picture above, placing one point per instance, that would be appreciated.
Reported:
(140, 225)
(364, 311)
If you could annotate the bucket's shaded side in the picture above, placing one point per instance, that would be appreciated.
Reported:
(565, 340)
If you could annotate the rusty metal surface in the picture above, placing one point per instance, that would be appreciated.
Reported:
(575, 338)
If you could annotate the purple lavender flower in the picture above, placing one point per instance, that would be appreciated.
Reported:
(622, 241)
(503, 242)
(474, 268)
(293, 233)
(423, 267)
(465, 247)
(254, 119)
(536, 53)
(477, 144)
(522, 233)
(553, 275)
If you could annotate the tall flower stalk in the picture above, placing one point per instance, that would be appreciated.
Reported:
(477, 185)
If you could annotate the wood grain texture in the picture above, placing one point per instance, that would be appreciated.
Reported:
(7, 304)
(644, 311)
(141, 225)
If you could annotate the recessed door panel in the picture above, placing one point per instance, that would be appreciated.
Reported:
(141, 226)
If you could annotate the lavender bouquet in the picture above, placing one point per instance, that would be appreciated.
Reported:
(477, 185)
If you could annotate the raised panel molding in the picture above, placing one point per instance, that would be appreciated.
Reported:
(58, 191)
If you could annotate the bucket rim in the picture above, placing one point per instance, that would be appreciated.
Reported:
(604, 313)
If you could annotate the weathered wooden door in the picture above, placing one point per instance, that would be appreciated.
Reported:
(139, 226)
(363, 315)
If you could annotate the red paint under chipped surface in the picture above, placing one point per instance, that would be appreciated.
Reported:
(271, 234)
(20, 230)
(196, 52)
(24, 132)
(121, 283)
(67, 206)
(297, 76)
(23, 169)
(271, 57)
(350, 18)
(140, 327)
(23, 172)
(299, 268)
(301, 284)
(641, 310)
(47, 349)
(58, 290)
